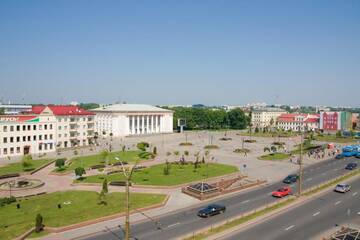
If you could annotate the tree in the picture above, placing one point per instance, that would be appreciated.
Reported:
(26, 161)
(272, 122)
(273, 148)
(338, 134)
(166, 168)
(257, 129)
(238, 119)
(104, 156)
(142, 146)
(266, 149)
(39, 223)
(102, 198)
(105, 186)
(186, 153)
(80, 171)
(155, 150)
(60, 163)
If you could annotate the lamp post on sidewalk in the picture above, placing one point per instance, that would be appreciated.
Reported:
(128, 174)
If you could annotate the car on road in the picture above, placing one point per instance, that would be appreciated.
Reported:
(351, 166)
(291, 178)
(357, 155)
(282, 192)
(211, 210)
(342, 188)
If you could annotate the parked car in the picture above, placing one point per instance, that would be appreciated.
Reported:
(339, 156)
(211, 210)
(282, 192)
(357, 155)
(291, 178)
(342, 188)
(351, 166)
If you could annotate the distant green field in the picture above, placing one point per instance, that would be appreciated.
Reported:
(18, 168)
(154, 175)
(81, 206)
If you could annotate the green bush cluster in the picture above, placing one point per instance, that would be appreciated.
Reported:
(146, 155)
(142, 146)
(7, 200)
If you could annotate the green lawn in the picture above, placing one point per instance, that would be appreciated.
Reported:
(154, 175)
(335, 139)
(275, 156)
(268, 134)
(84, 206)
(88, 161)
(18, 168)
(306, 148)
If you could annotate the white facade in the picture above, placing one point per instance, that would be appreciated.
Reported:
(132, 119)
(298, 122)
(261, 117)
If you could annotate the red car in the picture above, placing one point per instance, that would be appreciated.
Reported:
(282, 192)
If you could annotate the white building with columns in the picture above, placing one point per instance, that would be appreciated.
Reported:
(132, 119)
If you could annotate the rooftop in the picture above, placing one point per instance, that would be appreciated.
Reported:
(61, 110)
(130, 108)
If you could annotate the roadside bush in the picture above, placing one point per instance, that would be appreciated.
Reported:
(185, 144)
(241, 150)
(211, 147)
(60, 163)
(39, 223)
(250, 141)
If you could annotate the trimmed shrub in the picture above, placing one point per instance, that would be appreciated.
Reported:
(60, 162)
(142, 146)
(211, 147)
(250, 141)
(241, 150)
(185, 144)
(146, 155)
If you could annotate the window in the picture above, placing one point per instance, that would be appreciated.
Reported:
(18, 128)
(5, 140)
(24, 128)
(24, 139)
(29, 138)
(5, 129)
(40, 147)
(45, 136)
(11, 128)
(17, 149)
(59, 127)
(59, 135)
(40, 137)
(50, 146)
(17, 139)
(5, 151)
(11, 150)
(34, 137)
(11, 139)
(34, 127)
(29, 127)
(50, 136)
(40, 127)
(50, 126)
(45, 127)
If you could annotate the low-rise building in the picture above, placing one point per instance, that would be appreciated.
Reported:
(265, 117)
(45, 129)
(298, 122)
(11, 109)
(132, 119)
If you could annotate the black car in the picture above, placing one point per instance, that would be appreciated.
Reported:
(211, 210)
(351, 166)
(291, 179)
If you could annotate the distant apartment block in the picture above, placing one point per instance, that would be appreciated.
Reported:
(263, 117)
(11, 109)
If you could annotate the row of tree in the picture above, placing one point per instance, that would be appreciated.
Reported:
(205, 118)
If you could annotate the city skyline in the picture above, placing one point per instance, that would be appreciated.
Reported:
(213, 53)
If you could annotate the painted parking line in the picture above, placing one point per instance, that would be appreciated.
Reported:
(354, 194)
(290, 227)
(338, 202)
(315, 214)
(309, 179)
(173, 225)
(246, 201)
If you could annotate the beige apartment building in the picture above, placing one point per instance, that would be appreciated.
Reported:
(263, 117)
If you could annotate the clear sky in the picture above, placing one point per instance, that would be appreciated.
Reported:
(180, 52)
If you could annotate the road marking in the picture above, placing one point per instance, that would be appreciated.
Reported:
(315, 214)
(290, 227)
(355, 193)
(337, 202)
(246, 201)
(172, 225)
(309, 179)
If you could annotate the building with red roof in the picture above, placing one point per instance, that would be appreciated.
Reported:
(298, 122)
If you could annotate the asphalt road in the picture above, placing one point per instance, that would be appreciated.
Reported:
(308, 221)
(178, 223)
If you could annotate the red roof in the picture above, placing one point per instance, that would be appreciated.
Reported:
(61, 110)
(290, 117)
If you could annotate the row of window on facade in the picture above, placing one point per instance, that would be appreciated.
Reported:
(27, 138)
(26, 127)
(74, 119)
(12, 150)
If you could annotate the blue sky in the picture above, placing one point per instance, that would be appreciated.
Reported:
(180, 52)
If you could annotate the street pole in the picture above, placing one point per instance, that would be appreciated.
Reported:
(300, 164)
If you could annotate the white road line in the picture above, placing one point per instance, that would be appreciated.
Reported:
(309, 179)
(246, 201)
(315, 214)
(337, 202)
(290, 227)
(355, 193)
(172, 225)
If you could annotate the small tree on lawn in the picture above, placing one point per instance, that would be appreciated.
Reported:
(166, 168)
(102, 197)
(105, 186)
(155, 150)
(123, 148)
(26, 161)
(257, 130)
(60, 163)
(80, 171)
(186, 153)
(39, 223)
(104, 156)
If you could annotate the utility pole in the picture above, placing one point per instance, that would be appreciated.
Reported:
(128, 174)
(300, 165)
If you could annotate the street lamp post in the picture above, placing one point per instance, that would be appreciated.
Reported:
(300, 164)
(128, 175)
